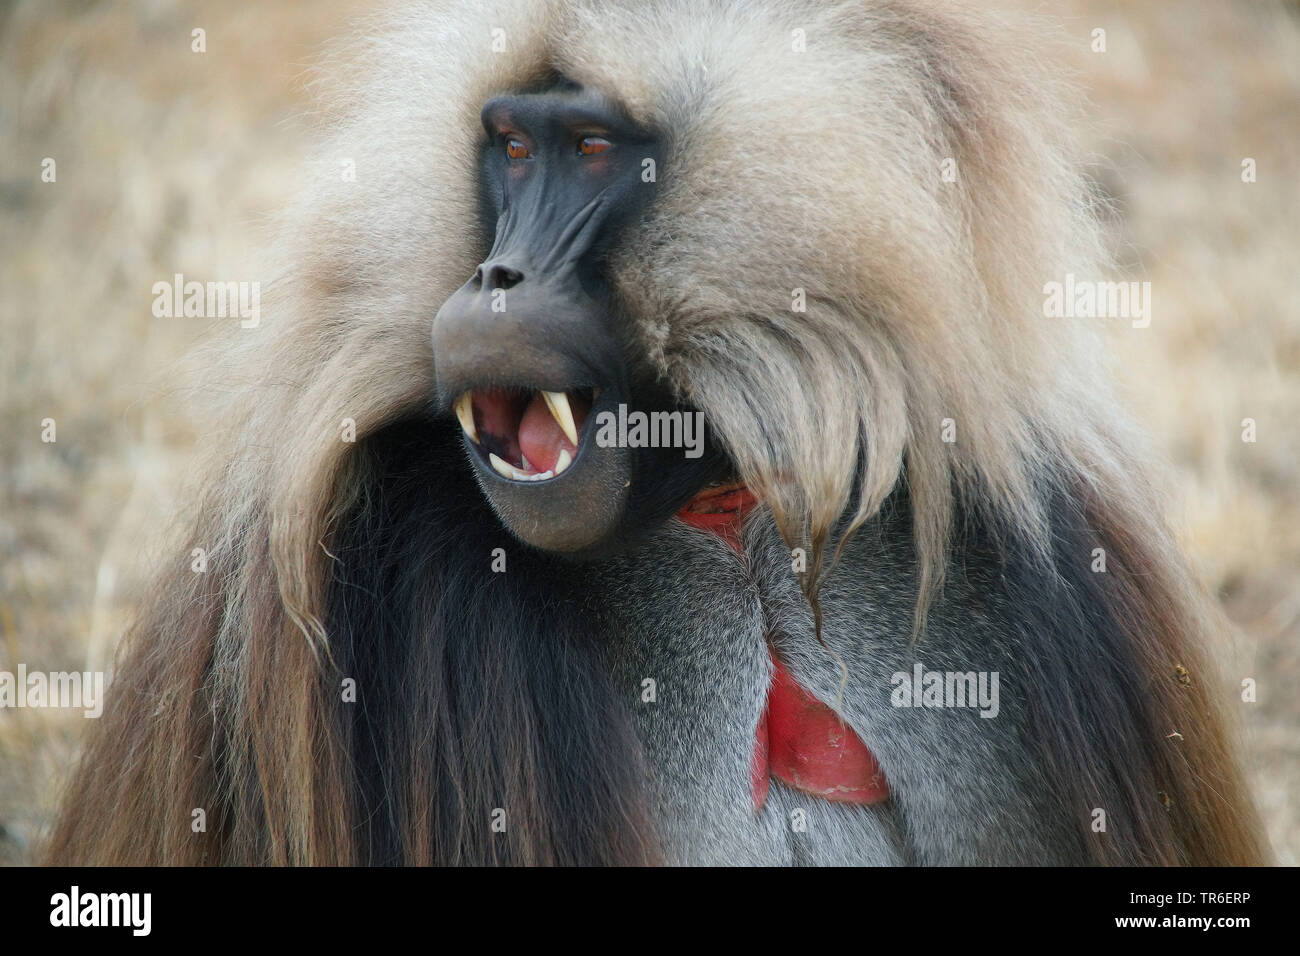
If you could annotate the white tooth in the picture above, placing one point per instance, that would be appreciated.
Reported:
(558, 403)
(502, 467)
(528, 465)
(465, 412)
(564, 461)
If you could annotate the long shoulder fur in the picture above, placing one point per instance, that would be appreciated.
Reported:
(481, 728)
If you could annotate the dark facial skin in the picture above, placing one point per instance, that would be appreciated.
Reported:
(562, 178)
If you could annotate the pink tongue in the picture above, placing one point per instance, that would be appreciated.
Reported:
(540, 436)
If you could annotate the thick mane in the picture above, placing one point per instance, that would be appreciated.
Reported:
(923, 304)
(923, 297)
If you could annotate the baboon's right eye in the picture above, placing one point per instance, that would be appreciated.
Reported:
(515, 149)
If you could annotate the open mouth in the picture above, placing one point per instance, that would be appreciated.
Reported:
(526, 435)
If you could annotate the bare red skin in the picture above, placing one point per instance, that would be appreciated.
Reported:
(721, 511)
(799, 740)
(811, 749)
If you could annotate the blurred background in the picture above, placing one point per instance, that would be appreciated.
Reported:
(168, 161)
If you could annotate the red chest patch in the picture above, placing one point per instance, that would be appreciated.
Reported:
(800, 741)
(720, 510)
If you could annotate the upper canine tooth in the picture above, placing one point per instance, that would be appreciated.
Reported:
(558, 403)
(465, 412)
(563, 461)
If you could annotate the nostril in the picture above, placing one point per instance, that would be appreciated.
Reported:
(498, 276)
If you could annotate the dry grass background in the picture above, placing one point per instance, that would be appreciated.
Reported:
(170, 161)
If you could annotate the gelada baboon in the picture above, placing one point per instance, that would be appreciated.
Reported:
(893, 592)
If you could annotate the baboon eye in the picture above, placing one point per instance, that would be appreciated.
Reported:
(516, 149)
(593, 145)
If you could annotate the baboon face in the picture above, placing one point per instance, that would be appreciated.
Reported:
(533, 354)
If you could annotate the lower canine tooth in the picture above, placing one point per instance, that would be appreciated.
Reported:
(564, 461)
(503, 468)
(465, 413)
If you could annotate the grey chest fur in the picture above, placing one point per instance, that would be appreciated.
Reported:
(689, 623)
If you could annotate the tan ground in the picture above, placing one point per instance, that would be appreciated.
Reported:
(170, 161)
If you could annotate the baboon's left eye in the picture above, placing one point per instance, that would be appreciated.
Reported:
(516, 149)
(592, 145)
